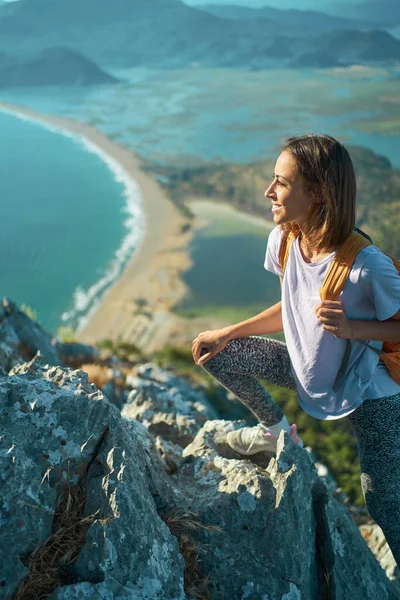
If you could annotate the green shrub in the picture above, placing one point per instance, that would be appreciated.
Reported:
(181, 359)
(66, 334)
(28, 310)
(121, 349)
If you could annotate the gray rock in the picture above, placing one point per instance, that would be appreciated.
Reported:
(284, 534)
(23, 337)
(57, 428)
(167, 405)
(74, 354)
(109, 390)
(265, 527)
(170, 453)
(8, 353)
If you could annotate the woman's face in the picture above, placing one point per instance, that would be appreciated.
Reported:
(290, 201)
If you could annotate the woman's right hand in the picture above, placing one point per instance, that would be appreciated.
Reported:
(213, 341)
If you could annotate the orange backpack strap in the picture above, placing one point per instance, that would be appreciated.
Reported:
(287, 239)
(341, 265)
(333, 284)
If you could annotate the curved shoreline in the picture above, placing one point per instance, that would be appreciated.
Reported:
(91, 297)
(138, 306)
(161, 247)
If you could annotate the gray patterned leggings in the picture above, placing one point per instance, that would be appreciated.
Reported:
(376, 423)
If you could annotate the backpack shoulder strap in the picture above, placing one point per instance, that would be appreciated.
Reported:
(334, 282)
(286, 241)
(342, 263)
(340, 267)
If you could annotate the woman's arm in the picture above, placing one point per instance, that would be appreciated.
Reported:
(332, 315)
(388, 331)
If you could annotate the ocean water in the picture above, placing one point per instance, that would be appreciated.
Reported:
(70, 222)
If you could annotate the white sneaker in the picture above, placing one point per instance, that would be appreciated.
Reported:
(250, 440)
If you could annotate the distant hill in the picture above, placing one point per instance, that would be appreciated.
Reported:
(344, 48)
(366, 47)
(296, 22)
(170, 34)
(380, 12)
(55, 66)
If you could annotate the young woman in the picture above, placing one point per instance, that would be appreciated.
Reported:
(313, 194)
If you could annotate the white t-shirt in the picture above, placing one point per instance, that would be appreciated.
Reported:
(371, 292)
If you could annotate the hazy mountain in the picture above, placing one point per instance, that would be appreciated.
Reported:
(117, 32)
(55, 66)
(380, 12)
(317, 60)
(353, 46)
(169, 34)
(295, 22)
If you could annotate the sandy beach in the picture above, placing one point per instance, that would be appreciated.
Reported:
(138, 307)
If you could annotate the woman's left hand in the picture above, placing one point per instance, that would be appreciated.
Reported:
(332, 315)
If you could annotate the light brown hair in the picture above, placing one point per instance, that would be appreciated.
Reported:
(327, 170)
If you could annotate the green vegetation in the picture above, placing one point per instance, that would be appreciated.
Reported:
(230, 314)
(180, 359)
(121, 349)
(28, 310)
(66, 335)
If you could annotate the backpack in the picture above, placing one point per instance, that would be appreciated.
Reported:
(333, 284)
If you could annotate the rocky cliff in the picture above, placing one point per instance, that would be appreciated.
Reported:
(130, 491)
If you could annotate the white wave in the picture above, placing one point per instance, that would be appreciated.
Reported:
(86, 302)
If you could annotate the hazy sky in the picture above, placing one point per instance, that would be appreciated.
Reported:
(299, 4)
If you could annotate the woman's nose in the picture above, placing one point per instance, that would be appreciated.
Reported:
(268, 191)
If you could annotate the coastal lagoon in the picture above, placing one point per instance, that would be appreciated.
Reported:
(78, 236)
(228, 279)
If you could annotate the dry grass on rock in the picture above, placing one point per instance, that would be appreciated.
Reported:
(49, 562)
(182, 524)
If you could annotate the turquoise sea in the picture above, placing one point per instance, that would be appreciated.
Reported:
(68, 224)
(71, 220)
